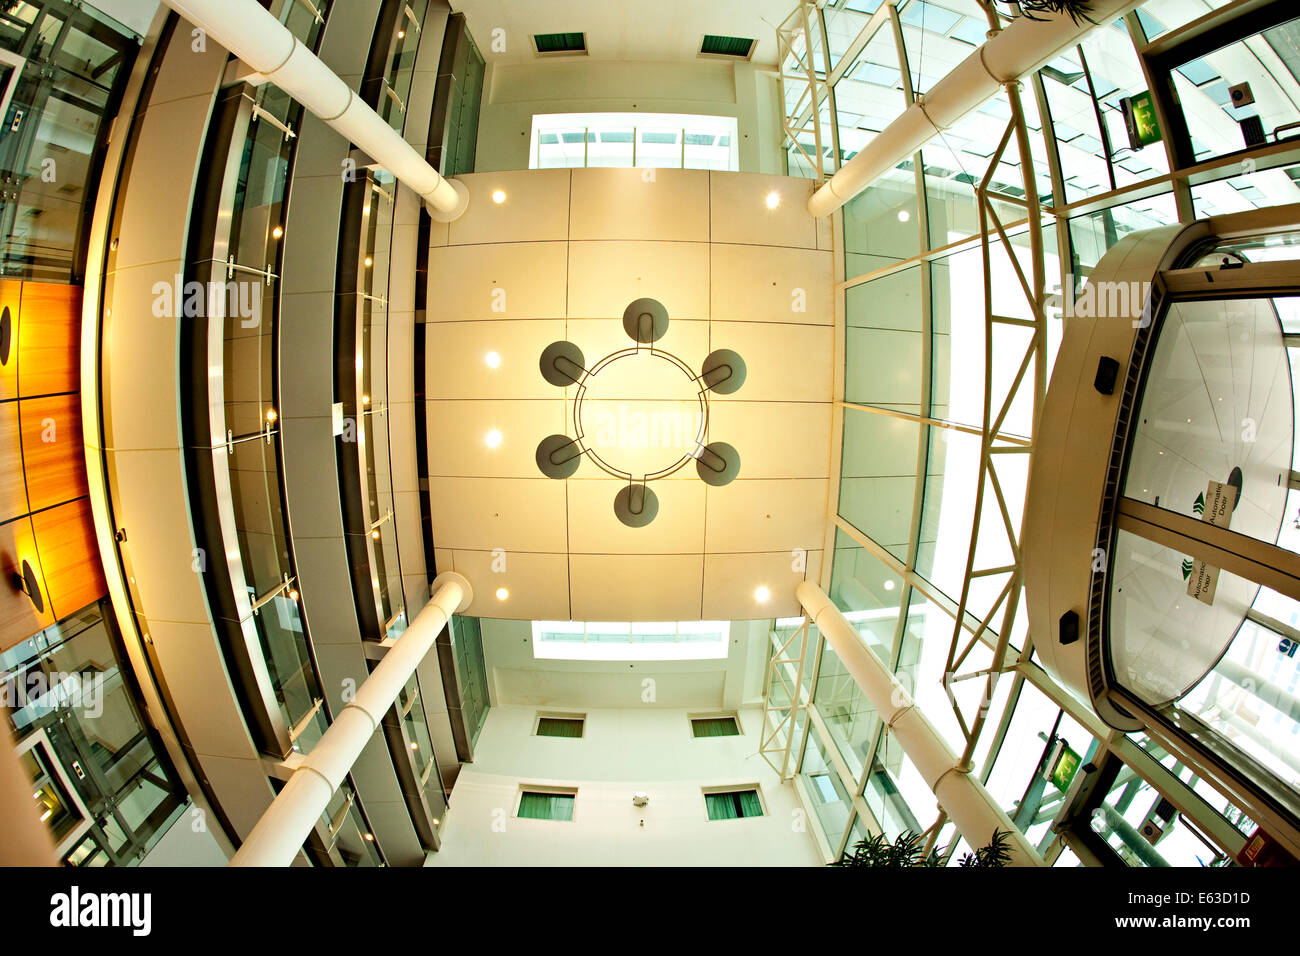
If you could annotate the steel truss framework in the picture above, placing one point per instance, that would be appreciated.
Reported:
(791, 710)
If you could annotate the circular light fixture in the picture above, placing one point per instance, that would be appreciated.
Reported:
(904, 215)
(414, 745)
(365, 399)
(773, 200)
(6, 335)
(370, 837)
(493, 360)
(375, 534)
(493, 438)
(889, 585)
(271, 415)
(27, 582)
(502, 594)
(293, 595)
(762, 594)
(562, 364)
(498, 196)
(277, 232)
(401, 34)
(369, 262)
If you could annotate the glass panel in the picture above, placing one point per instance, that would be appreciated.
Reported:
(1267, 61)
(850, 719)
(878, 477)
(1218, 409)
(870, 93)
(546, 806)
(1254, 190)
(883, 342)
(830, 799)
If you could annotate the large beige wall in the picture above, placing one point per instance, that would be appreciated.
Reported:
(513, 92)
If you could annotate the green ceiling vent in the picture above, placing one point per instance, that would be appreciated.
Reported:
(735, 47)
(560, 43)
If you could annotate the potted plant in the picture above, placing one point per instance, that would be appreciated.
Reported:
(908, 850)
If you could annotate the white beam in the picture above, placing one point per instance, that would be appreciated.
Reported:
(250, 32)
(1021, 47)
(970, 807)
(287, 823)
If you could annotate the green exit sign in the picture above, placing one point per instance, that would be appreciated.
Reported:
(1062, 766)
(1140, 119)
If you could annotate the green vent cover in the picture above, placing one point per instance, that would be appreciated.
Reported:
(726, 46)
(560, 42)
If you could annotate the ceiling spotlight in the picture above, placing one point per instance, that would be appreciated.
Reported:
(761, 594)
(502, 594)
(369, 262)
(498, 196)
(493, 438)
(277, 232)
(293, 595)
(365, 399)
(375, 534)
(414, 745)
(271, 415)
(773, 200)
(370, 837)
(493, 360)
(401, 34)
(889, 585)
(904, 215)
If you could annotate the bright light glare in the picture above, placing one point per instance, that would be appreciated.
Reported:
(493, 438)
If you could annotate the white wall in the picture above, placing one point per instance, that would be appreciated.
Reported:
(183, 845)
(513, 92)
(622, 751)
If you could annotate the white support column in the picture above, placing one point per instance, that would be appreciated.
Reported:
(1022, 47)
(970, 807)
(287, 823)
(250, 32)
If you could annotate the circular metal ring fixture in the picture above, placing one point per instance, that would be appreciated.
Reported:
(562, 364)
(716, 463)
(723, 371)
(645, 321)
(636, 505)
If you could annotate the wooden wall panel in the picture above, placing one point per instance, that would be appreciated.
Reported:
(10, 298)
(49, 341)
(65, 539)
(13, 490)
(56, 470)
(18, 617)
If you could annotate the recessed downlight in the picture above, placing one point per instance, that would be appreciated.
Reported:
(493, 360)
(277, 232)
(904, 215)
(493, 438)
(502, 594)
(773, 200)
(498, 196)
(889, 585)
(762, 594)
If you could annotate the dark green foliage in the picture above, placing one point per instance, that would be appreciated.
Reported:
(908, 849)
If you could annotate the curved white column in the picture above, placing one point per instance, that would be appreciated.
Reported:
(1022, 47)
(287, 823)
(970, 807)
(250, 32)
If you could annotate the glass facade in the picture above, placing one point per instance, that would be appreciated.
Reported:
(62, 70)
(953, 315)
(102, 785)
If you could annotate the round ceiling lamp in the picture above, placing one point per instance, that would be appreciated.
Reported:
(646, 322)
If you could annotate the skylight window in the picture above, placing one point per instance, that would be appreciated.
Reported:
(645, 140)
(631, 641)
